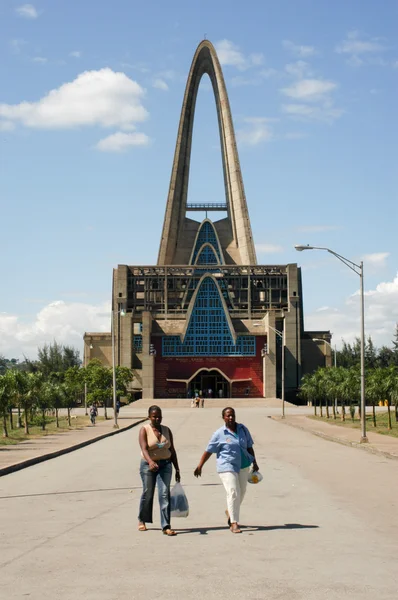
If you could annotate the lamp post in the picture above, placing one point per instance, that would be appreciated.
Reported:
(120, 312)
(358, 269)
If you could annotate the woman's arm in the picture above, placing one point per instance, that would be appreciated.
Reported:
(205, 457)
(174, 458)
(144, 448)
(255, 465)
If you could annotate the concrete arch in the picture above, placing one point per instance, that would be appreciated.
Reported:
(200, 251)
(178, 231)
(196, 240)
(192, 305)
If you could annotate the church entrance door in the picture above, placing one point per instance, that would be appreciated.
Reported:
(210, 380)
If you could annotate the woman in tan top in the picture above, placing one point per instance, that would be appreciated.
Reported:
(158, 454)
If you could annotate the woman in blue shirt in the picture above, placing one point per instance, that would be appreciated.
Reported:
(233, 445)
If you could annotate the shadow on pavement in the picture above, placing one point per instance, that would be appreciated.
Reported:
(246, 528)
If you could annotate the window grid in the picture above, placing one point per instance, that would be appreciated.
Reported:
(137, 344)
(207, 257)
(206, 234)
(208, 332)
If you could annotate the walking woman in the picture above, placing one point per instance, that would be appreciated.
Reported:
(157, 456)
(233, 445)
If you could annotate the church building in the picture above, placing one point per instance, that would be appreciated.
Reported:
(207, 316)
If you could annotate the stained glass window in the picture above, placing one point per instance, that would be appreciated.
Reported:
(207, 256)
(207, 234)
(208, 332)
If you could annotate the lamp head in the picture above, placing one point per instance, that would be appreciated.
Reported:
(122, 312)
(300, 247)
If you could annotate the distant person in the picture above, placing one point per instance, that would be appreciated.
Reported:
(197, 401)
(220, 393)
(157, 457)
(210, 393)
(202, 402)
(93, 414)
(233, 445)
(117, 406)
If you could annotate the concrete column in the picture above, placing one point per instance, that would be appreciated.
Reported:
(148, 362)
(292, 323)
(269, 360)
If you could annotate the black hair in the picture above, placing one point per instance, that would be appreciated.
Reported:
(154, 408)
(224, 410)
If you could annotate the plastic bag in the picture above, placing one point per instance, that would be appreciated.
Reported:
(254, 477)
(178, 502)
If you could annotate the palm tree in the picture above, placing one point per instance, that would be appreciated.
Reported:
(6, 395)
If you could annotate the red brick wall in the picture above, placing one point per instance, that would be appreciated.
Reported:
(233, 367)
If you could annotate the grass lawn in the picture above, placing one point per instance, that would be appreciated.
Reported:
(381, 421)
(15, 436)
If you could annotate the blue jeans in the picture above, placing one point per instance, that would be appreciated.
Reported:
(149, 478)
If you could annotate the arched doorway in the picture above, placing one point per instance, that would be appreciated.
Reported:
(206, 380)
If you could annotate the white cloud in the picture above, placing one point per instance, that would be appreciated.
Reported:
(325, 112)
(378, 259)
(40, 60)
(381, 315)
(75, 54)
(309, 90)
(299, 69)
(257, 130)
(27, 11)
(299, 50)
(160, 84)
(229, 54)
(359, 50)
(103, 97)
(65, 322)
(268, 248)
(120, 142)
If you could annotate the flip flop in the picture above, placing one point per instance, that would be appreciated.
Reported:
(235, 530)
(169, 532)
(142, 527)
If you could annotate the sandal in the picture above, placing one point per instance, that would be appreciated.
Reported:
(142, 527)
(236, 529)
(229, 520)
(169, 532)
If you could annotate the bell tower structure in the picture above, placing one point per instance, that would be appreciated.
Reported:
(179, 231)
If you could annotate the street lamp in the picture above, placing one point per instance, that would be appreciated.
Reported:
(358, 269)
(122, 313)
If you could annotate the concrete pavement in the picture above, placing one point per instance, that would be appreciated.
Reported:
(32, 451)
(322, 524)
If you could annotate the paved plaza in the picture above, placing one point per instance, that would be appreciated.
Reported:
(322, 524)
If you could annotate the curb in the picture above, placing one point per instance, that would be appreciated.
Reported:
(43, 457)
(330, 438)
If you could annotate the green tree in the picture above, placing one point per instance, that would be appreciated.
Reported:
(6, 396)
(55, 358)
(73, 383)
(99, 380)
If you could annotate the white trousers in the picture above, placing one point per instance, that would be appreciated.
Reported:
(235, 485)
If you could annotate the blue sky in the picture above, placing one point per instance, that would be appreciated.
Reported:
(89, 106)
